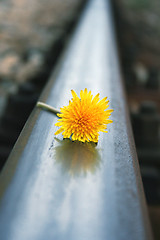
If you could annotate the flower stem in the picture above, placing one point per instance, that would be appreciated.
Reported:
(47, 107)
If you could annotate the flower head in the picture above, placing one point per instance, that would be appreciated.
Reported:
(84, 117)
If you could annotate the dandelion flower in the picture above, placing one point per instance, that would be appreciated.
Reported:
(84, 117)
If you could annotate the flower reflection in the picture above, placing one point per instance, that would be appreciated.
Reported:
(77, 158)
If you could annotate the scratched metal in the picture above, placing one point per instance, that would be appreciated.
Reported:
(54, 189)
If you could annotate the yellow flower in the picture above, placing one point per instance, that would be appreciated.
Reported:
(84, 117)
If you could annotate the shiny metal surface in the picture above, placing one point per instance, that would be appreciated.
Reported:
(61, 190)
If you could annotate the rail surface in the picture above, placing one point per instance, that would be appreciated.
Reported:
(55, 189)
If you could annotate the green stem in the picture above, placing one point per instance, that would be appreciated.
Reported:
(47, 107)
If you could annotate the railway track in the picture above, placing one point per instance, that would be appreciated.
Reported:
(46, 193)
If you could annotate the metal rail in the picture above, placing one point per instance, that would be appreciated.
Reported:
(55, 189)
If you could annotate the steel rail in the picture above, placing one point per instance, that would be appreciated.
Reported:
(62, 190)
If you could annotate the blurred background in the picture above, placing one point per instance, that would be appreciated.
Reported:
(138, 32)
(32, 37)
(33, 33)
